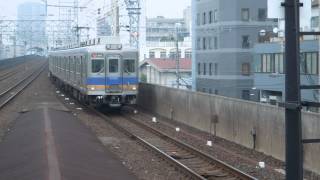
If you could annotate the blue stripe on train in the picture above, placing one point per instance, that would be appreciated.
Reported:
(111, 80)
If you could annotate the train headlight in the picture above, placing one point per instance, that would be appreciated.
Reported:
(93, 88)
(134, 88)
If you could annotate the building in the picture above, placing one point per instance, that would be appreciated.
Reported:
(163, 72)
(31, 26)
(269, 77)
(224, 35)
(103, 26)
(187, 16)
(168, 50)
(315, 14)
(162, 33)
(161, 29)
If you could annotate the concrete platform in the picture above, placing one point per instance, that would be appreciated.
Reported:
(50, 144)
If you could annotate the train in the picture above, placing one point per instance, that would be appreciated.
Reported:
(98, 74)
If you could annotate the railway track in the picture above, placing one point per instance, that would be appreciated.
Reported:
(10, 72)
(190, 161)
(7, 75)
(11, 92)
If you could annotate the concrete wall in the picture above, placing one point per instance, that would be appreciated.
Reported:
(236, 119)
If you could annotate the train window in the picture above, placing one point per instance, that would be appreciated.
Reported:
(113, 65)
(97, 65)
(129, 65)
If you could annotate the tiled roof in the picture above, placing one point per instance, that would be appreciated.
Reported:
(161, 64)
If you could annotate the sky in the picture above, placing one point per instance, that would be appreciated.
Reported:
(167, 8)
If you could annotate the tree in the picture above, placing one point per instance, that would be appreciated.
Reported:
(143, 78)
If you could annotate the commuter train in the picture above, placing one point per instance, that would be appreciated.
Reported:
(97, 74)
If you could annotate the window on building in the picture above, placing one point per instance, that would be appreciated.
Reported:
(215, 68)
(210, 69)
(245, 42)
(245, 14)
(302, 63)
(215, 42)
(258, 64)
(188, 54)
(199, 68)
(264, 63)
(210, 91)
(245, 69)
(270, 63)
(310, 63)
(314, 64)
(172, 55)
(210, 17)
(215, 15)
(262, 14)
(278, 63)
(204, 69)
(204, 18)
(204, 90)
(152, 54)
(210, 43)
(315, 22)
(163, 54)
(204, 43)
(198, 19)
(216, 91)
(246, 94)
(198, 43)
(281, 63)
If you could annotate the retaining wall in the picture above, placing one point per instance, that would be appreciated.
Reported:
(234, 119)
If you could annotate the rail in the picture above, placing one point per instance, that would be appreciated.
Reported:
(189, 160)
(11, 92)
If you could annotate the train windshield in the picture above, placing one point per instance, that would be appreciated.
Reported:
(98, 66)
(129, 66)
(113, 65)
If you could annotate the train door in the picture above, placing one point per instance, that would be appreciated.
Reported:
(81, 71)
(68, 72)
(74, 70)
(114, 76)
(71, 69)
(78, 66)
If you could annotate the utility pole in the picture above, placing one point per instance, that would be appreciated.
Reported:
(177, 56)
(115, 17)
(294, 163)
(133, 8)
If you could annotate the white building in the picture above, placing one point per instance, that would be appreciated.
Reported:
(167, 50)
(31, 26)
(160, 36)
(163, 72)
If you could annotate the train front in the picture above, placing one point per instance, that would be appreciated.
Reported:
(113, 80)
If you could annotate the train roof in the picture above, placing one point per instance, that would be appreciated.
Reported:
(91, 49)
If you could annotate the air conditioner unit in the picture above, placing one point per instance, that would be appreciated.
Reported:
(264, 100)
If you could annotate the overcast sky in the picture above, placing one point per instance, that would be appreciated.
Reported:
(167, 8)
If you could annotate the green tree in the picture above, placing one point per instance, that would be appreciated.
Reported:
(143, 78)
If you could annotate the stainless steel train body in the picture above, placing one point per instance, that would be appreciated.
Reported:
(100, 74)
